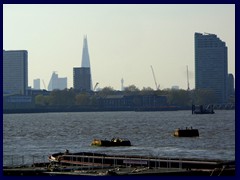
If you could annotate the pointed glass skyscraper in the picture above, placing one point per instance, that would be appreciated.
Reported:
(82, 79)
(85, 54)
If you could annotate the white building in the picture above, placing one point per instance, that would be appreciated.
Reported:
(175, 87)
(36, 84)
(15, 72)
(57, 83)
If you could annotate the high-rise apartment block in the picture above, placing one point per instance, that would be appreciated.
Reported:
(82, 79)
(15, 72)
(211, 65)
(231, 90)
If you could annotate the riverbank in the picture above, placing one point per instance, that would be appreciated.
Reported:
(90, 109)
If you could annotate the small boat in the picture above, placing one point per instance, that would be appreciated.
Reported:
(112, 142)
(188, 132)
(201, 110)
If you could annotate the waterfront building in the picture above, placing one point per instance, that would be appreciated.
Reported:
(230, 85)
(15, 72)
(36, 84)
(211, 66)
(82, 79)
(57, 83)
(11, 102)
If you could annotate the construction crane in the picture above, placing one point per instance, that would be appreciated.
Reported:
(157, 85)
(95, 86)
(188, 88)
(44, 84)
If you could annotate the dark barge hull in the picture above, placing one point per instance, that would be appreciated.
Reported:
(112, 143)
(186, 133)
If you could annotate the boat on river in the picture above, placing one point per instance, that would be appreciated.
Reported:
(188, 132)
(112, 142)
(202, 110)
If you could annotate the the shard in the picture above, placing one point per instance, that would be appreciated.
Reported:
(85, 54)
(85, 58)
(82, 78)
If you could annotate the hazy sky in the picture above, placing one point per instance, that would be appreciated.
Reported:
(123, 40)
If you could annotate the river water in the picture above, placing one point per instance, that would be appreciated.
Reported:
(150, 133)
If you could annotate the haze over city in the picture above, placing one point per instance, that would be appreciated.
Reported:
(123, 40)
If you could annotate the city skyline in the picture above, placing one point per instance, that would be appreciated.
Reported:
(124, 40)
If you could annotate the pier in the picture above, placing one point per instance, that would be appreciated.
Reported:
(108, 165)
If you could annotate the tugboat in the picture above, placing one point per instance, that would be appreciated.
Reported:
(112, 142)
(188, 132)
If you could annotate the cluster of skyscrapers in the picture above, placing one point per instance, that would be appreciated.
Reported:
(211, 70)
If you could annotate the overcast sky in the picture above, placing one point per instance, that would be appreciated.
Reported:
(123, 40)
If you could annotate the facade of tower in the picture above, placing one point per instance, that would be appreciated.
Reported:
(231, 91)
(57, 83)
(36, 84)
(211, 66)
(15, 72)
(82, 79)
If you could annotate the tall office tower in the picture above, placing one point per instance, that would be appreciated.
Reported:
(15, 72)
(230, 85)
(57, 83)
(36, 84)
(86, 59)
(82, 79)
(211, 66)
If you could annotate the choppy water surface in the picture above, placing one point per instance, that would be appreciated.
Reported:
(149, 133)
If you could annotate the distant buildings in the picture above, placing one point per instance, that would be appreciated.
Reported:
(82, 79)
(211, 65)
(36, 84)
(175, 87)
(15, 72)
(122, 84)
(57, 83)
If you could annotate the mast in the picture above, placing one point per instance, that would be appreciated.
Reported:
(187, 80)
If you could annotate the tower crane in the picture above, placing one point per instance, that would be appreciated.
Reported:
(95, 86)
(44, 84)
(188, 88)
(157, 85)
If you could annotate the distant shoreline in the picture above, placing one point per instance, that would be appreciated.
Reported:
(66, 109)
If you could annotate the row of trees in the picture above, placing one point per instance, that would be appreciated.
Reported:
(70, 97)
